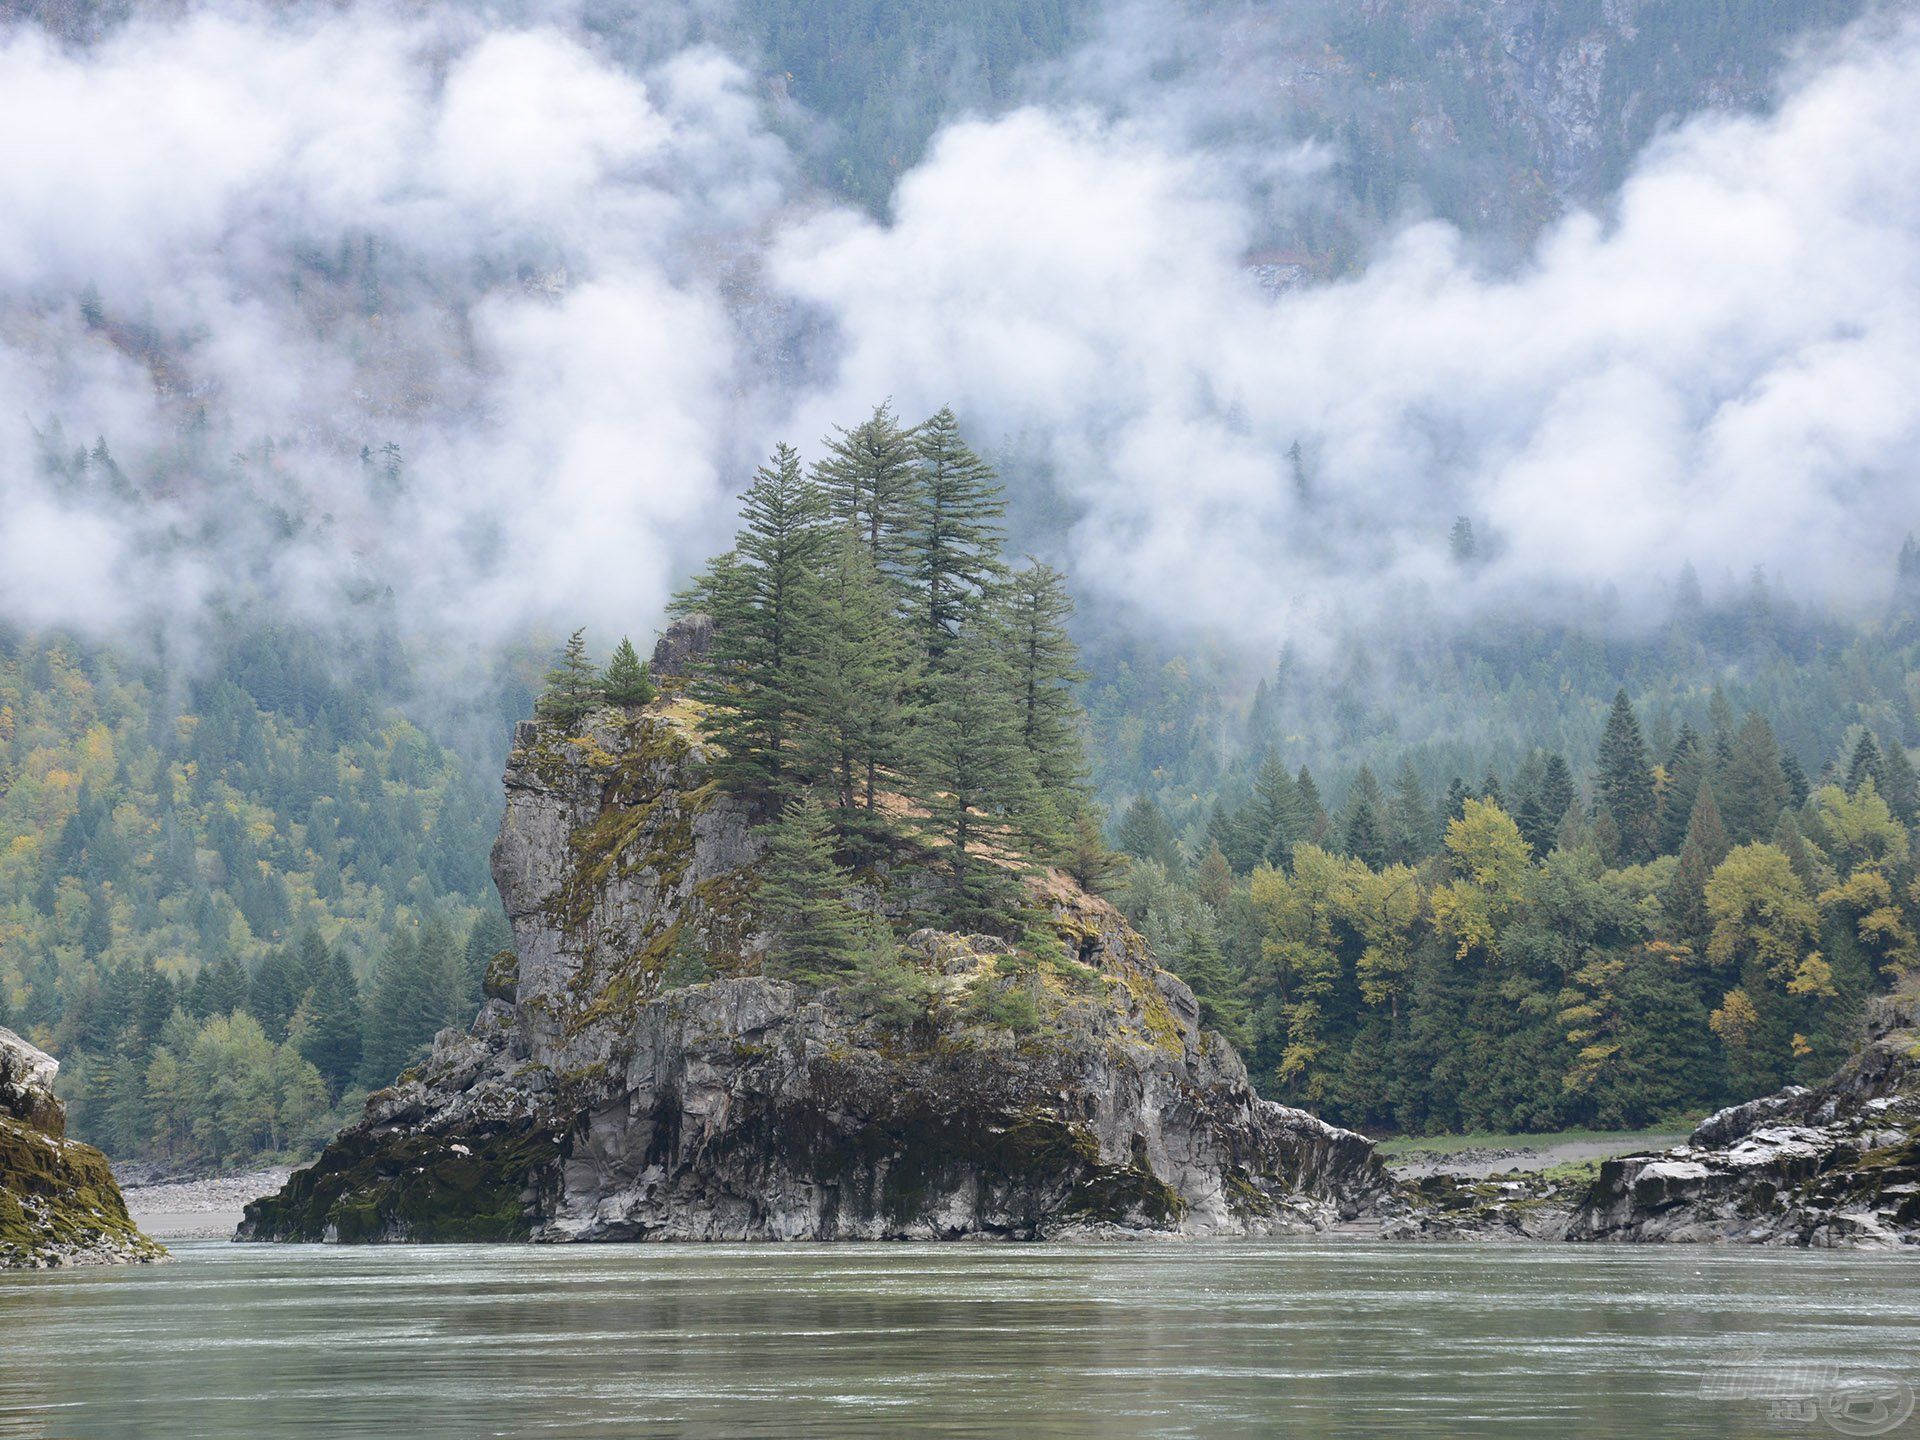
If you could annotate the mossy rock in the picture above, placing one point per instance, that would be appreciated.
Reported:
(59, 1203)
(367, 1188)
(502, 980)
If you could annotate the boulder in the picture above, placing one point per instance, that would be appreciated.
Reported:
(59, 1204)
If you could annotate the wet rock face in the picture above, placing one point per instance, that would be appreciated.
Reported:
(59, 1204)
(611, 1100)
(1834, 1166)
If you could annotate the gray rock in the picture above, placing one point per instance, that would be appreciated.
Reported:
(609, 1101)
(1834, 1166)
(59, 1203)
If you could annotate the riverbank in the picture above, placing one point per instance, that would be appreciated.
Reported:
(1480, 1157)
(206, 1207)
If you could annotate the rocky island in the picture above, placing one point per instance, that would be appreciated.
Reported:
(596, 1099)
(59, 1204)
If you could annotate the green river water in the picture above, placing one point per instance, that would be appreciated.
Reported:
(1158, 1339)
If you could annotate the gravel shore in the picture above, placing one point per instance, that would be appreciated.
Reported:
(198, 1209)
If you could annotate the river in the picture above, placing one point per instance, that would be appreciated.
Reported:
(1170, 1339)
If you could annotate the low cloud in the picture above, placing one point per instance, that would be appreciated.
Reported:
(485, 316)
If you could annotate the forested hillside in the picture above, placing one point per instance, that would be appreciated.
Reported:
(231, 891)
(1544, 912)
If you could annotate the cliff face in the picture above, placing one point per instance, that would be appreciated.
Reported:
(1834, 1166)
(599, 1096)
(59, 1204)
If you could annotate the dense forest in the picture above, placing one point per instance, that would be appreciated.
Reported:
(229, 909)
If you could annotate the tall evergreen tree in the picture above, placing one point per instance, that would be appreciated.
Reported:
(1626, 781)
(758, 595)
(1686, 767)
(1409, 817)
(801, 895)
(1034, 608)
(1546, 804)
(1315, 827)
(975, 783)
(867, 481)
(1363, 836)
(1143, 832)
(952, 535)
(1865, 764)
(1753, 790)
(1704, 847)
(856, 674)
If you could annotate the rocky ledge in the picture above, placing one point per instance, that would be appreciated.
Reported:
(633, 1075)
(59, 1204)
(1838, 1165)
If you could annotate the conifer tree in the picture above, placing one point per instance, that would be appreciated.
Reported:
(573, 686)
(1902, 790)
(1409, 817)
(1092, 865)
(801, 895)
(952, 534)
(1276, 811)
(1363, 836)
(855, 675)
(1315, 827)
(627, 681)
(1753, 789)
(1704, 847)
(759, 596)
(1686, 767)
(867, 481)
(1546, 804)
(974, 782)
(1626, 781)
(1490, 789)
(1144, 833)
(1865, 764)
(1034, 610)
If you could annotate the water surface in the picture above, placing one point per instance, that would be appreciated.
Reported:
(1216, 1338)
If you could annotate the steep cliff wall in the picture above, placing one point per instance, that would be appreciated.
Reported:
(59, 1204)
(597, 1097)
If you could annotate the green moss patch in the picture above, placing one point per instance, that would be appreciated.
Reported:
(58, 1197)
(367, 1188)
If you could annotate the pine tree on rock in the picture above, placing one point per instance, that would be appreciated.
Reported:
(975, 783)
(759, 596)
(801, 896)
(1034, 609)
(627, 681)
(856, 674)
(1626, 782)
(867, 481)
(573, 686)
(952, 537)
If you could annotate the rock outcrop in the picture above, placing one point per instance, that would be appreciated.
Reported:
(59, 1204)
(1838, 1165)
(634, 1076)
